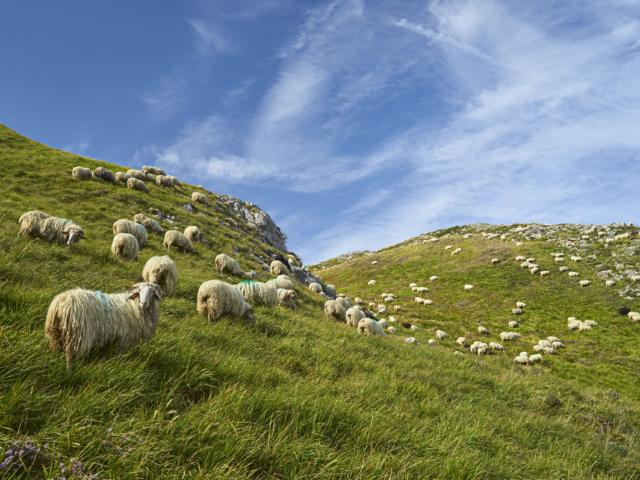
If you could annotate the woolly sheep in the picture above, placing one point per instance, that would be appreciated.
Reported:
(456, 251)
(135, 184)
(553, 339)
(482, 330)
(282, 281)
(392, 330)
(534, 270)
(353, 316)
(448, 247)
(521, 304)
(335, 310)
(198, 197)
(81, 173)
(135, 229)
(217, 298)
(52, 229)
(258, 293)
(461, 341)
(371, 282)
(413, 285)
(194, 234)
(584, 283)
(393, 319)
(383, 323)
(522, 358)
(468, 287)
(517, 311)
(495, 261)
(495, 346)
(609, 283)
(634, 316)
(513, 324)
(573, 274)
(535, 358)
(104, 174)
(525, 265)
(479, 348)
(397, 308)
(79, 320)
(278, 268)
(358, 301)
(163, 272)
(520, 258)
(441, 335)
(573, 324)
(122, 177)
(125, 246)
(286, 297)
(509, 336)
(344, 302)
(152, 170)
(576, 258)
(411, 340)
(149, 224)
(413, 328)
(591, 323)
(226, 264)
(431, 342)
(382, 309)
(315, 287)
(531, 259)
(558, 259)
(369, 326)
(563, 268)
(174, 238)
(137, 174)
(544, 273)
(433, 278)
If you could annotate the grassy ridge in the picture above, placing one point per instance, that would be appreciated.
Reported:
(296, 396)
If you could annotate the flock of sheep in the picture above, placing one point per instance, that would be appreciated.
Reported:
(80, 321)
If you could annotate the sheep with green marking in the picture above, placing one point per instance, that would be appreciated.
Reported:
(258, 293)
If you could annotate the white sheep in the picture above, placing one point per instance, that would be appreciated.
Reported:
(282, 281)
(522, 358)
(52, 229)
(358, 301)
(479, 348)
(411, 340)
(287, 297)
(520, 258)
(517, 311)
(165, 181)
(531, 259)
(576, 258)
(495, 346)
(413, 285)
(392, 319)
(535, 358)
(258, 293)
(79, 320)
(584, 283)
(441, 335)
(369, 326)
(634, 316)
(315, 287)
(557, 345)
(461, 341)
(153, 170)
(482, 330)
(371, 282)
(433, 278)
(521, 304)
(278, 268)
(353, 315)
(226, 264)
(336, 310)
(513, 324)
(382, 309)
(609, 283)
(163, 272)
(198, 197)
(456, 251)
(136, 184)
(383, 322)
(149, 224)
(174, 238)
(431, 342)
(422, 289)
(573, 274)
(468, 287)
(104, 174)
(563, 268)
(397, 308)
(392, 330)
(135, 229)
(217, 298)
(495, 261)
(544, 273)
(509, 336)
(122, 177)
(194, 234)
(534, 270)
(413, 328)
(81, 173)
(125, 246)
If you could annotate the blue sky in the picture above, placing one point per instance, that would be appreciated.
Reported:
(354, 123)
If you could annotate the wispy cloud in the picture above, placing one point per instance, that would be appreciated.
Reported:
(166, 97)
(208, 38)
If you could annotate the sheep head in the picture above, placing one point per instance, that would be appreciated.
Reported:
(146, 293)
(74, 235)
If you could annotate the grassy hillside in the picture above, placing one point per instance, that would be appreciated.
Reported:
(297, 395)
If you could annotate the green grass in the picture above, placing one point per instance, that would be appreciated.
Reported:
(297, 395)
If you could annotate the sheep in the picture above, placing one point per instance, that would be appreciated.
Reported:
(563, 268)
(353, 316)
(520, 258)
(164, 181)
(138, 174)
(258, 293)
(573, 324)
(544, 273)
(413, 328)
(479, 348)
(573, 274)
(535, 358)
(517, 311)
(522, 358)
(397, 308)
(382, 309)
(127, 226)
(226, 264)
(509, 336)
(591, 323)
(525, 265)
(383, 323)
(448, 247)
(392, 319)
(105, 174)
(557, 345)
(411, 340)
(374, 262)
(441, 335)
(198, 197)
(135, 184)
(217, 298)
(513, 324)
(413, 285)
(174, 238)
(468, 287)
(456, 251)
(609, 283)
(576, 258)
(558, 259)
(194, 234)
(433, 278)
(392, 330)
(336, 310)
(149, 177)
(520, 304)
(495, 261)
(495, 346)
(461, 341)
(125, 246)
(371, 282)
(153, 170)
(534, 270)
(81, 173)
(369, 326)
(282, 281)
(634, 316)
(122, 177)
(315, 287)
(150, 224)
(287, 297)
(79, 321)
(482, 330)
(431, 342)
(163, 272)
(278, 268)
(553, 339)
(531, 259)
(584, 283)
(52, 229)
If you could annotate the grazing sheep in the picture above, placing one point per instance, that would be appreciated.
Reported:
(104, 174)
(392, 319)
(164, 181)
(149, 177)
(495, 261)
(563, 268)
(282, 281)
(461, 341)
(369, 326)
(509, 336)
(411, 340)
(382, 309)
(482, 330)
(79, 320)
(521, 304)
(591, 323)
(217, 298)
(198, 197)
(525, 265)
(122, 177)
(383, 322)
(163, 272)
(353, 316)
(584, 283)
(258, 293)
(194, 234)
(531, 259)
(174, 238)
(278, 268)
(135, 229)
(520, 258)
(441, 335)
(431, 342)
(456, 251)
(573, 274)
(557, 344)
(522, 358)
(433, 278)
(468, 287)
(558, 259)
(535, 358)
(544, 273)
(152, 170)
(448, 247)
(413, 328)
(138, 174)
(517, 311)
(634, 316)
(336, 310)
(226, 264)
(397, 308)
(371, 282)
(286, 297)
(125, 246)
(495, 346)
(392, 330)
(413, 285)
(513, 324)
(534, 270)
(576, 258)
(52, 229)
(315, 287)
(573, 324)
(479, 348)
(609, 283)
(135, 184)
(81, 173)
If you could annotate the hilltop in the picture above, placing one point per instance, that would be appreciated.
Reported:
(298, 395)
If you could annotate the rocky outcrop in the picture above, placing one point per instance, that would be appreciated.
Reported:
(258, 219)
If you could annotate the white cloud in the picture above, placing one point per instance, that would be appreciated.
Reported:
(208, 37)
(166, 97)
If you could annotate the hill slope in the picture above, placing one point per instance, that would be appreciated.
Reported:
(298, 395)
